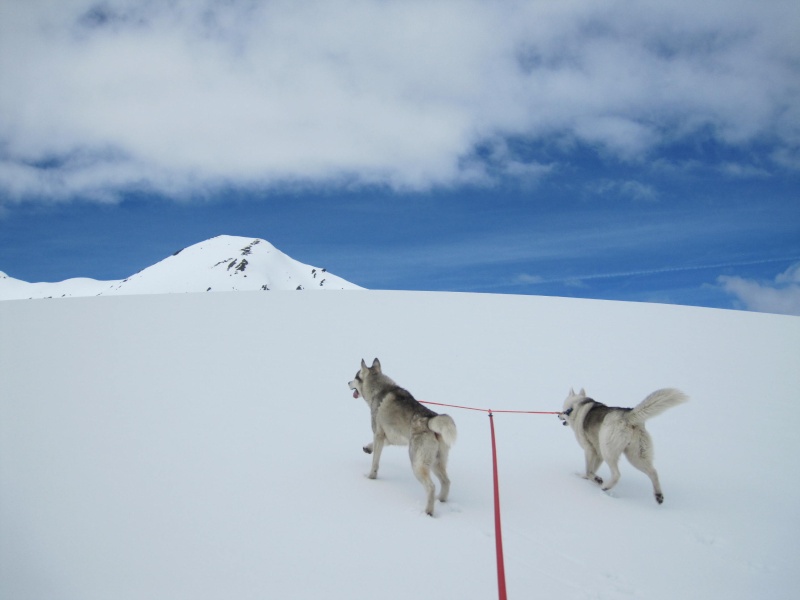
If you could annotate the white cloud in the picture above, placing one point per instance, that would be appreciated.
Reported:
(176, 96)
(631, 189)
(526, 279)
(781, 296)
(789, 276)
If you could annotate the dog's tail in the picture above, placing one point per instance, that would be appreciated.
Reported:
(445, 427)
(655, 404)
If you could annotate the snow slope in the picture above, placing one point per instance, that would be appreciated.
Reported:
(206, 446)
(221, 264)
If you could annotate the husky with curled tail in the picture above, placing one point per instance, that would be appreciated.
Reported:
(606, 432)
(399, 419)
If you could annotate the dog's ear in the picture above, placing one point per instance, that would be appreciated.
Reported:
(363, 364)
(376, 364)
(583, 392)
(571, 391)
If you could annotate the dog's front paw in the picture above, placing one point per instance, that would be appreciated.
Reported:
(660, 498)
(598, 480)
(367, 449)
(372, 476)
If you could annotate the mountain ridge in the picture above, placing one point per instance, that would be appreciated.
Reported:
(219, 264)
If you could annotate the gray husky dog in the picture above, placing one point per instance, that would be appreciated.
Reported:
(606, 432)
(397, 418)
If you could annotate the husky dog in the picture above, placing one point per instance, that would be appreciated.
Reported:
(397, 418)
(606, 432)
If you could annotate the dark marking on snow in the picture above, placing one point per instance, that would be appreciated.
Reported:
(249, 248)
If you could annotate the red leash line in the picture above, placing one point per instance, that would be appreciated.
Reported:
(486, 410)
(498, 533)
(529, 412)
(455, 406)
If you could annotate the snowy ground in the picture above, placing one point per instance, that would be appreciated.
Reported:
(205, 446)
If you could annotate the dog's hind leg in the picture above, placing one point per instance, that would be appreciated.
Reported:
(423, 474)
(440, 469)
(641, 458)
(423, 452)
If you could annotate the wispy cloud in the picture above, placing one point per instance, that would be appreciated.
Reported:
(782, 295)
(102, 97)
(629, 189)
(787, 281)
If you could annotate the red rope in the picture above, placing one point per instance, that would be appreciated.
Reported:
(498, 533)
(486, 410)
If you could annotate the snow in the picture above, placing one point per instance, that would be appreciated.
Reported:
(221, 264)
(16, 289)
(206, 446)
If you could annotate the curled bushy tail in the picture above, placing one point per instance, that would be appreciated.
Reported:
(655, 404)
(445, 427)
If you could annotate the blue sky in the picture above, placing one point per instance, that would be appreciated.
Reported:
(618, 150)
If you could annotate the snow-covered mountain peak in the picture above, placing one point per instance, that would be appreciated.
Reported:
(229, 263)
(223, 263)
